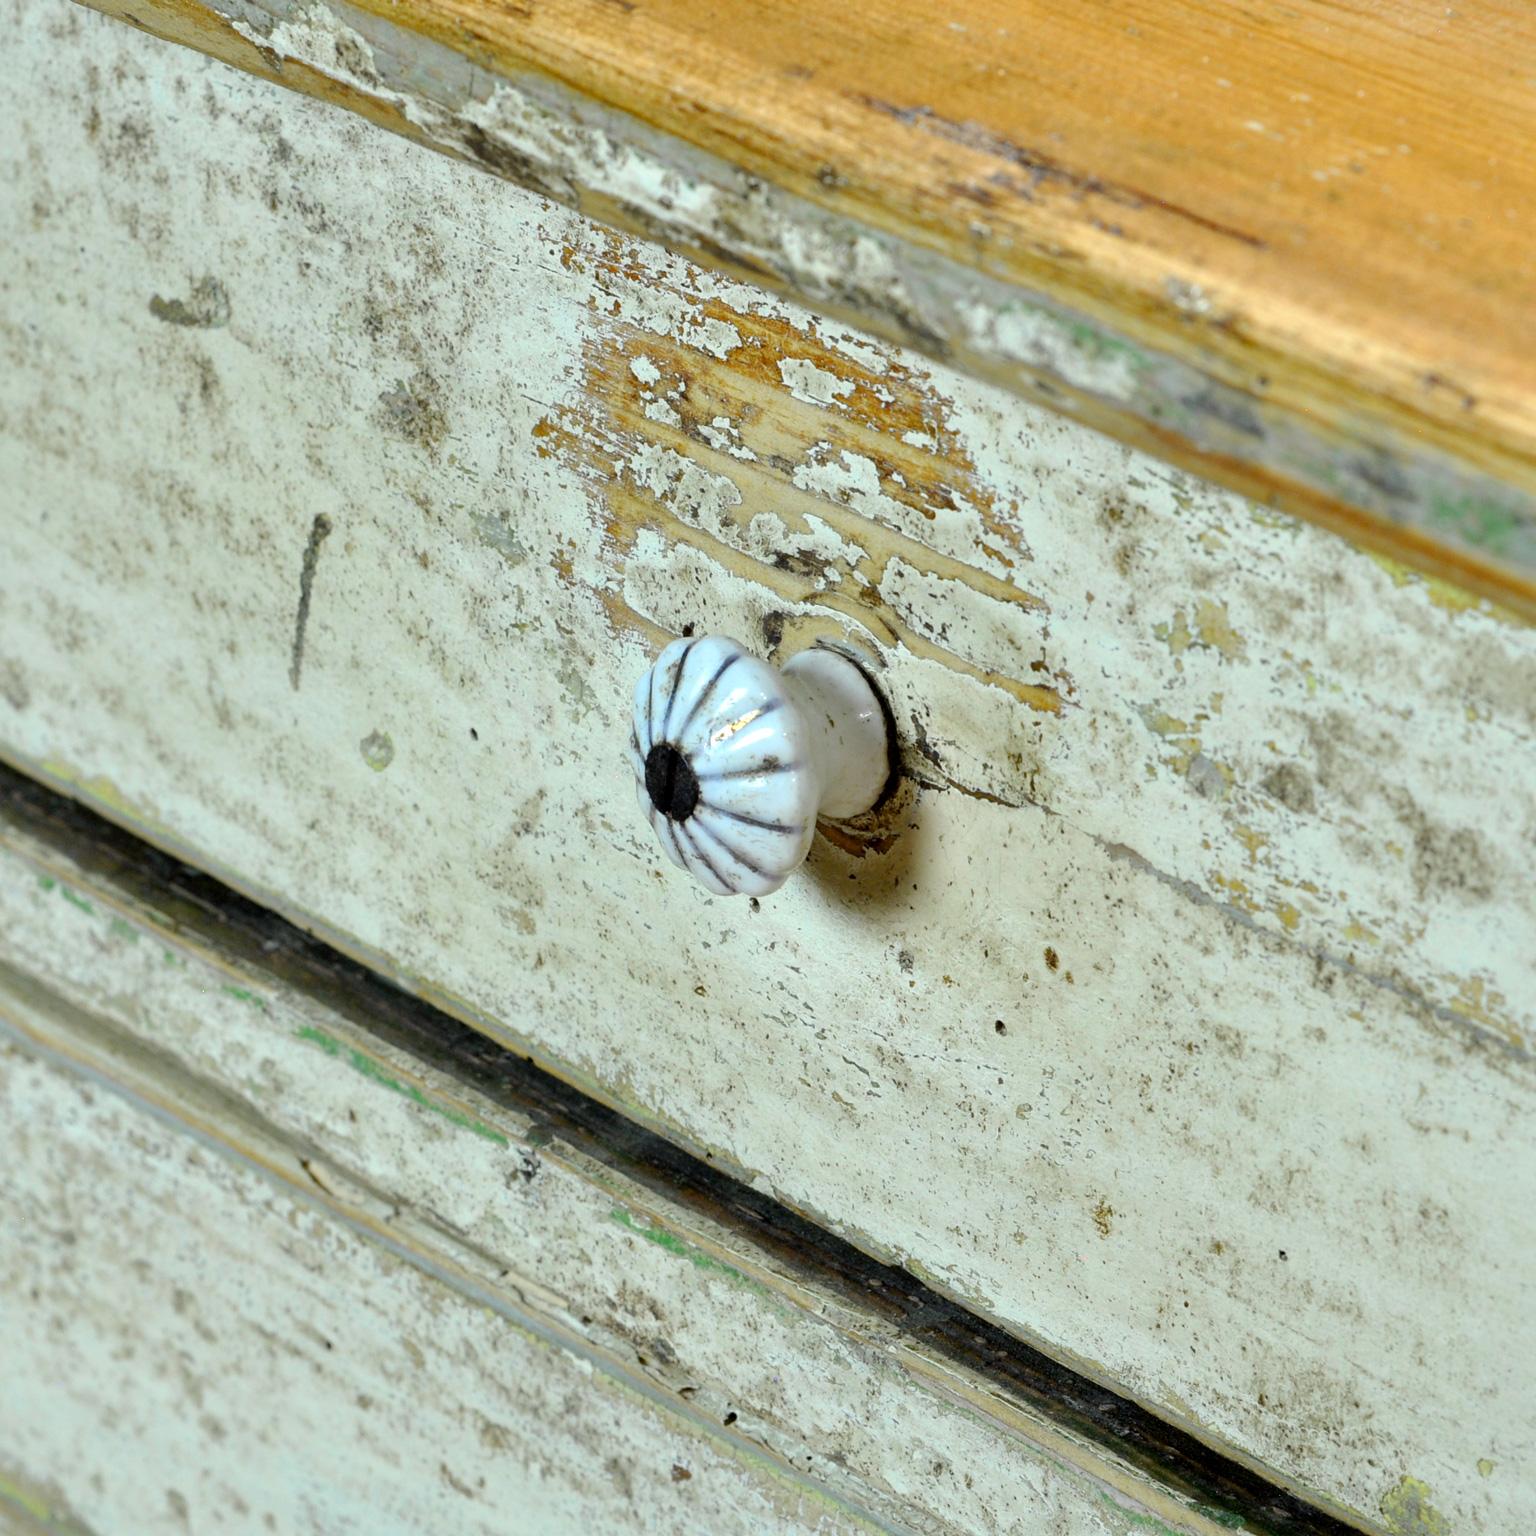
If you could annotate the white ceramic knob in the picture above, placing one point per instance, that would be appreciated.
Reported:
(735, 760)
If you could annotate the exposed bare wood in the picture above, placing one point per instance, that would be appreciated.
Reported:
(1291, 251)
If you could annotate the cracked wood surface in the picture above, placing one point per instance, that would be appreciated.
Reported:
(1289, 251)
(351, 1290)
(1177, 1015)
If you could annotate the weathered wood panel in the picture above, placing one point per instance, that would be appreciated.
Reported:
(235, 1213)
(1177, 1016)
(188, 1348)
(1291, 251)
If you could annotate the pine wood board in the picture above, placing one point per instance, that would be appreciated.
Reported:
(1290, 251)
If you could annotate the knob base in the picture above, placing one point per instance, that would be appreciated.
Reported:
(850, 730)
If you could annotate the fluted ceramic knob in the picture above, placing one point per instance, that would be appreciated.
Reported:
(734, 760)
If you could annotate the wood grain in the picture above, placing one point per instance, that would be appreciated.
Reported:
(1192, 963)
(1302, 238)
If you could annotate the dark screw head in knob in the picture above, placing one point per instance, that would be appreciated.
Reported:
(670, 782)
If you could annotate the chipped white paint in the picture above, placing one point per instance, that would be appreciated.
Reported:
(815, 386)
(1183, 1024)
(346, 1286)
(189, 1348)
(534, 130)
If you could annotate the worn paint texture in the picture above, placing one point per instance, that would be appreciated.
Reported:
(1225, 823)
(240, 1361)
(1193, 350)
(340, 1202)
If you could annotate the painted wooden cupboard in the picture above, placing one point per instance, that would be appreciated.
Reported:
(395, 1140)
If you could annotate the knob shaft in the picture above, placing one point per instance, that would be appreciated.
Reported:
(735, 760)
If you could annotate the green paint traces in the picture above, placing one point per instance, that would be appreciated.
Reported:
(1147, 1522)
(21, 1497)
(1408, 1512)
(369, 1068)
(45, 1511)
(1101, 345)
(1479, 520)
(245, 995)
(1142, 1522)
(121, 929)
(1222, 1517)
(103, 791)
(705, 1262)
(73, 897)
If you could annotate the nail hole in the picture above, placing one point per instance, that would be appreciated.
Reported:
(474, 735)
(730, 1418)
(1000, 1027)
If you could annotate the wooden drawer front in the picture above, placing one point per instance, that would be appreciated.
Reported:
(263, 1263)
(1176, 1016)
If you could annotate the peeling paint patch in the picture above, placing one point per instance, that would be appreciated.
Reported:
(824, 483)
(413, 412)
(496, 533)
(815, 386)
(205, 308)
(1408, 1511)
(377, 749)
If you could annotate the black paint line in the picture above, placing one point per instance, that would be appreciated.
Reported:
(677, 687)
(729, 849)
(317, 534)
(1224, 1489)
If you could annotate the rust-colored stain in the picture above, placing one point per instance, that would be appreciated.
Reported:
(708, 436)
